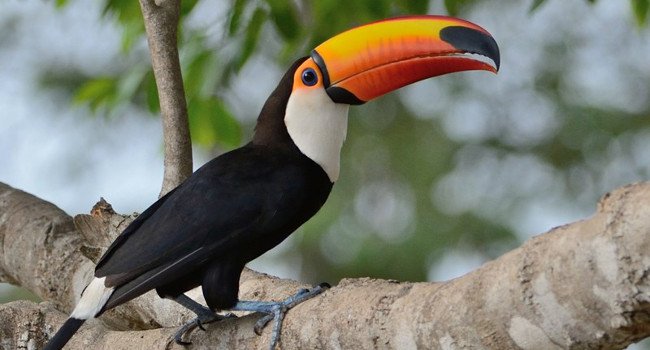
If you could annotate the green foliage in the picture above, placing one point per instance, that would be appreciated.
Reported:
(98, 92)
(640, 9)
(220, 127)
(236, 12)
(60, 3)
(187, 6)
(454, 7)
(253, 30)
(129, 16)
(536, 4)
(103, 94)
(285, 19)
(414, 6)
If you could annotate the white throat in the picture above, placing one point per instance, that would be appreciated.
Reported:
(318, 127)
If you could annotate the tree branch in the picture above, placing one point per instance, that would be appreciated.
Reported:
(583, 285)
(161, 24)
(53, 255)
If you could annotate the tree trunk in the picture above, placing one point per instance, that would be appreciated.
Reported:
(582, 285)
(161, 23)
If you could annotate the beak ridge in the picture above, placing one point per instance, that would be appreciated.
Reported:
(373, 59)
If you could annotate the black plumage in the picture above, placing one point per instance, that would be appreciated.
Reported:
(230, 211)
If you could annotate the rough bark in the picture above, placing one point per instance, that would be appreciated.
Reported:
(161, 24)
(582, 285)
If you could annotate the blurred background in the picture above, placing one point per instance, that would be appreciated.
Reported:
(437, 178)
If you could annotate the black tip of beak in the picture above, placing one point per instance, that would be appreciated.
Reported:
(472, 41)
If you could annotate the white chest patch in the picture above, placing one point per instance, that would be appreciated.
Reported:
(318, 127)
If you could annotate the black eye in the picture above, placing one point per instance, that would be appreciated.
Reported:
(309, 77)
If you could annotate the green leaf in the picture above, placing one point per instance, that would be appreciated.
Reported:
(535, 5)
(415, 6)
(451, 6)
(640, 9)
(285, 18)
(378, 8)
(235, 16)
(227, 127)
(187, 6)
(129, 15)
(98, 92)
(212, 123)
(454, 7)
(126, 10)
(60, 3)
(193, 73)
(202, 71)
(130, 82)
(252, 36)
(131, 32)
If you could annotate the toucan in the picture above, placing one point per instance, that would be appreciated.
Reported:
(246, 201)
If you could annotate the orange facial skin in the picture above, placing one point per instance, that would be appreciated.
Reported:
(299, 81)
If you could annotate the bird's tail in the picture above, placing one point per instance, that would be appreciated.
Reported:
(93, 299)
(64, 334)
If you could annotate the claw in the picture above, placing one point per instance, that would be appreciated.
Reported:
(182, 342)
(198, 322)
(262, 322)
(230, 315)
(277, 310)
(185, 329)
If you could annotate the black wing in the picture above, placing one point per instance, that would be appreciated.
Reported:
(133, 226)
(221, 209)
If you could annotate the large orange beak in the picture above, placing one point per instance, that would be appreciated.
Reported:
(370, 60)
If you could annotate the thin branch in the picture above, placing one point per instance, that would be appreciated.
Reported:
(582, 285)
(161, 23)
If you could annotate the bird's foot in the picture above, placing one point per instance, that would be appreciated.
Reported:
(275, 310)
(202, 318)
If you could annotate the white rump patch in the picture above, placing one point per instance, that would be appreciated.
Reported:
(92, 300)
(318, 126)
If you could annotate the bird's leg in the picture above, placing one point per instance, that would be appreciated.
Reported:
(203, 316)
(275, 310)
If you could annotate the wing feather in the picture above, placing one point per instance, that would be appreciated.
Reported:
(235, 207)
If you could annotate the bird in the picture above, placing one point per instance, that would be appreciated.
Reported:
(246, 201)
